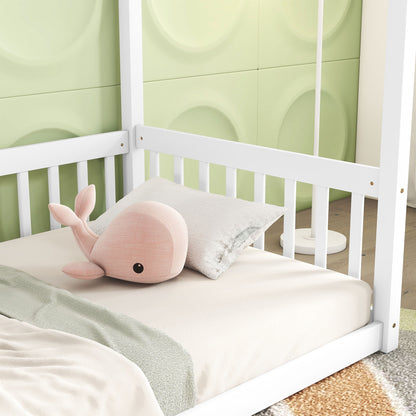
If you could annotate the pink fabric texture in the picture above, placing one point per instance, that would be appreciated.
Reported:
(146, 243)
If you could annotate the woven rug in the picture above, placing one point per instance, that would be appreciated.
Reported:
(379, 385)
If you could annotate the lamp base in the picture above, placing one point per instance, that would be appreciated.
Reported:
(305, 244)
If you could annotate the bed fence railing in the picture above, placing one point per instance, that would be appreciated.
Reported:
(24, 159)
(325, 173)
(293, 167)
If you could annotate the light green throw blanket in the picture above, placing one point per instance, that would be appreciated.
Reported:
(167, 366)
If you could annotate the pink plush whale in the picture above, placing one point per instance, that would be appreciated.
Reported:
(146, 243)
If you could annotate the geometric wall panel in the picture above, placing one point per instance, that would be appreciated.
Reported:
(196, 37)
(46, 117)
(287, 31)
(48, 45)
(222, 106)
(59, 76)
(286, 116)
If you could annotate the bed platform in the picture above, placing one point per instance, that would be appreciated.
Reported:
(263, 312)
(271, 325)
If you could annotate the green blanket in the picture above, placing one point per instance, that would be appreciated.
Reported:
(167, 366)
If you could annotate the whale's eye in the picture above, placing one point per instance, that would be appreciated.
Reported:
(138, 268)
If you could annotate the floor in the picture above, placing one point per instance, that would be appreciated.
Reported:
(339, 219)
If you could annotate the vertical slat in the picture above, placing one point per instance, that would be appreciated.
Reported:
(54, 193)
(110, 181)
(82, 175)
(322, 204)
(24, 204)
(231, 182)
(289, 219)
(154, 168)
(259, 196)
(204, 176)
(356, 235)
(178, 171)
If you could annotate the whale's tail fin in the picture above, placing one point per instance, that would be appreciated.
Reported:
(85, 202)
(63, 214)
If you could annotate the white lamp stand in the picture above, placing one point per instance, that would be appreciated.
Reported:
(305, 243)
(305, 237)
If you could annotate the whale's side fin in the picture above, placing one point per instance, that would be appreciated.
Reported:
(83, 270)
(85, 202)
(63, 214)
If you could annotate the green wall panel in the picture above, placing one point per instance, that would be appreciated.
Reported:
(45, 117)
(223, 106)
(59, 76)
(287, 31)
(49, 45)
(197, 37)
(286, 116)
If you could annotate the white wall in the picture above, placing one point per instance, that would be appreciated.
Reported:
(370, 95)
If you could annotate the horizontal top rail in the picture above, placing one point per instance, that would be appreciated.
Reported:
(346, 176)
(61, 152)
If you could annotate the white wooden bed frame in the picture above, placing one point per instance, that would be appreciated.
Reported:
(387, 183)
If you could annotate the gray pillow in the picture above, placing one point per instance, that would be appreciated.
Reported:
(219, 227)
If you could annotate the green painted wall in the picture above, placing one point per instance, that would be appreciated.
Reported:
(240, 70)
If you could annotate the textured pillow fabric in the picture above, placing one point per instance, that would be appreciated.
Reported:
(219, 227)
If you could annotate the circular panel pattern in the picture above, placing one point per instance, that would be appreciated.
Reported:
(301, 17)
(37, 31)
(209, 121)
(297, 129)
(44, 135)
(196, 25)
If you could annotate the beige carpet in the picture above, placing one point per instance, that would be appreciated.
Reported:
(380, 385)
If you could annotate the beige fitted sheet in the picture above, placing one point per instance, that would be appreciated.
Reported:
(264, 311)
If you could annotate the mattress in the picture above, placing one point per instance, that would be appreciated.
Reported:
(264, 311)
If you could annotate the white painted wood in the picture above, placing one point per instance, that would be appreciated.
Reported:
(231, 182)
(24, 204)
(289, 219)
(54, 193)
(394, 164)
(110, 181)
(154, 164)
(82, 175)
(131, 88)
(178, 170)
(263, 391)
(204, 176)
(356, 235)
(332, 173)
(259, 196)
(62, 152)
(322, 204)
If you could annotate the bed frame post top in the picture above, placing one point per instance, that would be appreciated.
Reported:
(394, 165)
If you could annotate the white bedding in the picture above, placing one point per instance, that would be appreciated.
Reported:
(46, 372)
(264, 311)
